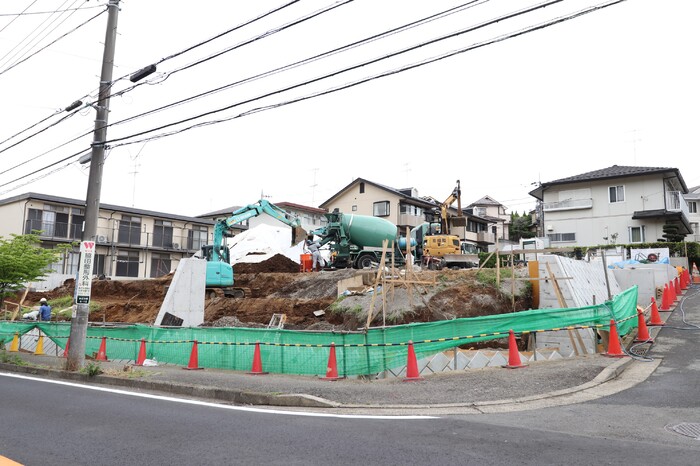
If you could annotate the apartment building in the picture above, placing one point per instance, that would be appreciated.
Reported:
(130, 242)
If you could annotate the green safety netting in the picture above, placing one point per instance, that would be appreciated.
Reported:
(306, 353)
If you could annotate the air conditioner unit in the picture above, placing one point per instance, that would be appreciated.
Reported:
(550, 228)
(101, 239)
(176, 246)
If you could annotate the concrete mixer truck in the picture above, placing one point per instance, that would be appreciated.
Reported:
(356, 240)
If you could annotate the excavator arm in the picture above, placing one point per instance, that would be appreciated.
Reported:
(222, 227)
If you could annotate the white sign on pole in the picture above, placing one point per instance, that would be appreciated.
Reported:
(84, 283)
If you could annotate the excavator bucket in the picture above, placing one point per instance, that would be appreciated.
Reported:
(298, 235)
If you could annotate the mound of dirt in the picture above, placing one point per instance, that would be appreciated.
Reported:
(277, 263)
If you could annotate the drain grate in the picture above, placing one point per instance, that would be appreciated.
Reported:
(689, 429)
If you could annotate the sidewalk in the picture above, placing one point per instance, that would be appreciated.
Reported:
(469, 388)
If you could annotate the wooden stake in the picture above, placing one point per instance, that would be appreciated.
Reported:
(380, 272)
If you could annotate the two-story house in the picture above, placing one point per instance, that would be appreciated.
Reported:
(693, 200)
(130, 242)
(495, 212)
(618, 204)
(405, 209)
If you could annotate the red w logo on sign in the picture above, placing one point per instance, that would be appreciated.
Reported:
(89, 244)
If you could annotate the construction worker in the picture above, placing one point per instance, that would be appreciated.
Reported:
(314, 248)
(44, 309)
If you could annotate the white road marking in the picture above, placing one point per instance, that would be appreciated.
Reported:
(212, 405)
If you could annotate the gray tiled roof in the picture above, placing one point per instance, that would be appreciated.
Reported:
(616, 171)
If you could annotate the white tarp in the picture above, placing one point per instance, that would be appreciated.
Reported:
(262, 242)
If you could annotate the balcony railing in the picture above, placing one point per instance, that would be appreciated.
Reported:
(149, 240)
(569, 204)
(485, 237)
(676, 203)
(59, 231)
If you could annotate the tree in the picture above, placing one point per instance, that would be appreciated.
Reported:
(520, 226)
(671, 233)
(23, 260)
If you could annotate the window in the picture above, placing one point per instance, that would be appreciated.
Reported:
(411, 210)
(163, 234)
(130, 230)
(160, 265)
(362, 188)
(76, 223)
(381, 209)
(52, 221)
(197, 237)
(98, 265)
(636, 234)
(616, 193)
(693, 207)
(128, 263)
(562, 237)
(354, 208)
(480, 211)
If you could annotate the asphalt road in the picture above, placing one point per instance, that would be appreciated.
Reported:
(56, 422)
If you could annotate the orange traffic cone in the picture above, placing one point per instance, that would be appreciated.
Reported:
(655, 317)
(142, 353)
(257, 361)
(412, 374)
(331, 368)
(102, 353)
(642, 331)
(614, 348)
(14, 346)
(65, 350)
(194, 358)
(665, 304)
(677, 284)
(672, 292)
(513, 354)
(685, 279)
(696, 275)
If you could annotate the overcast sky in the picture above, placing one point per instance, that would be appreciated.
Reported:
(616, 86)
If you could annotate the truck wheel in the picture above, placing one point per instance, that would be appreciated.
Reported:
(364, 261)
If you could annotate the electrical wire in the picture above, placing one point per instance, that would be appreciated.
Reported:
(16, 16)
(31, 13)
(17, 63)
(366, 79)
(245, 23)
(305, 61)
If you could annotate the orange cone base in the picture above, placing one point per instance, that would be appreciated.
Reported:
(331, 378)
(648, 340)
(413, 379)
(192, 368)
(614, 355)
(508, 366)
(257, 373)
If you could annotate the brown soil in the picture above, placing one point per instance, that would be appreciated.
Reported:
(277, 287)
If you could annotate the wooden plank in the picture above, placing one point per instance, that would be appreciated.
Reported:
(380, 272)
(562, 304)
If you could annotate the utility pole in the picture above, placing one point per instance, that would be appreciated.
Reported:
(78, 327)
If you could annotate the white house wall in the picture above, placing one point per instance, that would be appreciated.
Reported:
(604, 218)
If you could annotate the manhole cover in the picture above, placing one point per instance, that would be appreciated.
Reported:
(689, 429)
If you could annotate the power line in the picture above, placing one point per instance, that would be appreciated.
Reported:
(245, 23)
(16, 16)
(344, 70)
(354, 83)
(360, 81)
(305, 61)
(50, 43)
(33, 13)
